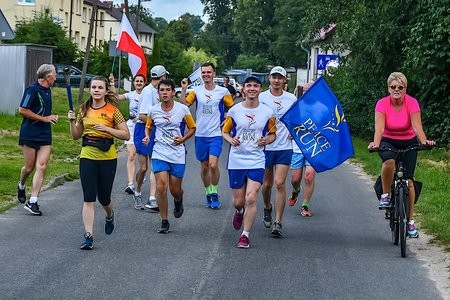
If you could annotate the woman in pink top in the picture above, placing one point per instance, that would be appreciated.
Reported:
(398, 124)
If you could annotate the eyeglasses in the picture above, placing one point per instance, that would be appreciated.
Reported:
(395, 87)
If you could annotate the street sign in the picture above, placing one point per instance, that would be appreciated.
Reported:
(324, 59)
(6, 32)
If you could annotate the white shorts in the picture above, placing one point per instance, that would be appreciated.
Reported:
(130, 125)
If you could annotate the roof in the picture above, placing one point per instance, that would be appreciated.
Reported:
(116, 13)
(99, 3)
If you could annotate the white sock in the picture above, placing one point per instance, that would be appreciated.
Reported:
(246, 233)
(241, 211)
(137, 193)
(130, 184)
(152, 198)
(33, 199)
(411, 222)
(21, 186)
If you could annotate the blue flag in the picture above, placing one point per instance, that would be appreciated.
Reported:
(318, 126)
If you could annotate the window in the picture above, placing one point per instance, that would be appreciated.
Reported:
(26, 2)
(102, 19)
(77, 37)
(83, 16)
(66, 19)
(83, 43)
(78, 7)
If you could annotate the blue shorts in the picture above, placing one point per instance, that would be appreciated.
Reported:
(238, 177)
(176, 170)
(278, 157)
(206, 146)
(139, 134)
(298, 161)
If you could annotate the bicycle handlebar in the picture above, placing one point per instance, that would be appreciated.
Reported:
(418, 147)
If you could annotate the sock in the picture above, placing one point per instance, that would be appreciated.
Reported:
(213, 189)
(137, 193)
(411, 222)
(152, 198)
(130, 184)
(21, 186)
(297, 189)
(246, 233)
(305, 204)
(33, 199)
(241, 211)
(207, 190)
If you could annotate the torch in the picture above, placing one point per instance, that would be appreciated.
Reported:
(66, 71)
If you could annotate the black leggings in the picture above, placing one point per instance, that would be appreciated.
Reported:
(409, 158)
(97, 178)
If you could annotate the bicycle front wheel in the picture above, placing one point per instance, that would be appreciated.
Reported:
(403, 220)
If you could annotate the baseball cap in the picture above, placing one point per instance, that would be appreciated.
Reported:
(158, 71)
(254, 78)
(278, 70)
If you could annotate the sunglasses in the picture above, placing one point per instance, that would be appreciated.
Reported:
(395, 87)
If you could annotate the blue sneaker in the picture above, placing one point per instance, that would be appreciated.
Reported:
(88, 242)
(412, 231)
(109, 224)
(385, 201)
(215, 203)
(208, 201)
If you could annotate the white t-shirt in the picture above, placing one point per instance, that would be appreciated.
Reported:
(210, 109)
(149, 97)
(249, 124)
(133, 107)
(168, 125)
(279, 105)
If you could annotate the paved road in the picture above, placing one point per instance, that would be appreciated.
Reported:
(343, 252)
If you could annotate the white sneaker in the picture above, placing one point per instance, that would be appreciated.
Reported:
(152, 205)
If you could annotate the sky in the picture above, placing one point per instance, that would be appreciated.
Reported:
(171, 9)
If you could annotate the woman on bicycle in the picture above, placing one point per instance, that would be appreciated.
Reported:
(398, 124)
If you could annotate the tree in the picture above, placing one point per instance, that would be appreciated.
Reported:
(42, 29)
(256, 62)
(196, 22)
(174, 58)
(200, 56)
(181, 31)
(161, 25)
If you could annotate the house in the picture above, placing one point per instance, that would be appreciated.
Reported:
(74, 16)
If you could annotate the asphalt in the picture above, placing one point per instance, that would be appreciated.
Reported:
(343, 252)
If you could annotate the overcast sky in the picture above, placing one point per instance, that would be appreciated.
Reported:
(171, 9)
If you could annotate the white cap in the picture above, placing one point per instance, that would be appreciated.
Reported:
(158, 71)
(278, 70)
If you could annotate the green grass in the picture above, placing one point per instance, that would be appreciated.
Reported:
(433, 207)
(65, 151)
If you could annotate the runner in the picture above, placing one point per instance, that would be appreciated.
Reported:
(168, 120)
(249, 127)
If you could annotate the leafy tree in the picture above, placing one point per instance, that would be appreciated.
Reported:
(41, 29)
(181, 31)
(256, 62)
(196, 22)
(100, 63)
(145, 15)
(174, 58)
(161, 25)
(200, 56)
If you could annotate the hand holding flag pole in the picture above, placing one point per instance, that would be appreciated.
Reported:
(66, 71)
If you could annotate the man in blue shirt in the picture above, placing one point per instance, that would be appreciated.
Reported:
(36, 134)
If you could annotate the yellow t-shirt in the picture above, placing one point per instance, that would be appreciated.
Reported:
(110, 116)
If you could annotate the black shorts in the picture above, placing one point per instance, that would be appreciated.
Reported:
(33, 144)
(97, 178)
(409, 158)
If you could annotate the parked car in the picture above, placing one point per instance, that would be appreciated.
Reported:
(189, 89)
(233, 82)
(75, 76)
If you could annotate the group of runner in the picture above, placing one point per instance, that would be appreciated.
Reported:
(260, 154)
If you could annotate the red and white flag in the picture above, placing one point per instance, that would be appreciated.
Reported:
(129, 43)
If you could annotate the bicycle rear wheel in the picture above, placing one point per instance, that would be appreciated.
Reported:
(403, 220)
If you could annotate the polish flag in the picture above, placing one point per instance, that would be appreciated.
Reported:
(129, 43)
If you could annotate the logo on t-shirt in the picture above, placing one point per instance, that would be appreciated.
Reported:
(251, 119)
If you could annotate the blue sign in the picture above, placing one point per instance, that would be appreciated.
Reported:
(324, 59)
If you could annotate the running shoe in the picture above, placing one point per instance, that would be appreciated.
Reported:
(305, 212)
(294, 196)
(88, 242)
(412, 231)
(237, 220)
(138, 202)
(215, 203)
(152, 205)
(208, 201)
(109, 224)
(276, 229)
(165, 227)
(33, 208)
(267, 220)
(178, 209)
(129, 189)
(385, 202)
(244, 242)
(21, 195)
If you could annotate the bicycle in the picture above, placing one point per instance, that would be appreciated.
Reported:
(398, 210)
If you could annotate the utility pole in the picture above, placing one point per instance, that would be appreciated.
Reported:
(86, 54)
